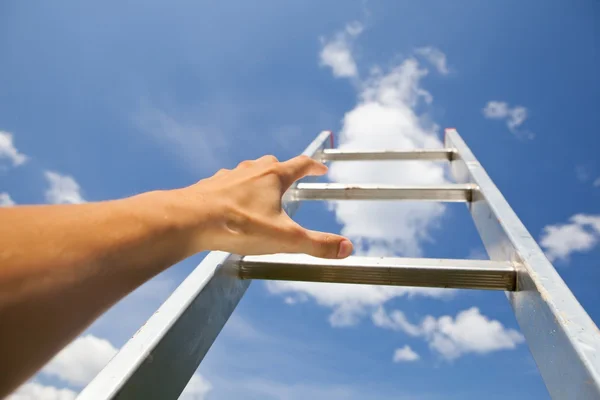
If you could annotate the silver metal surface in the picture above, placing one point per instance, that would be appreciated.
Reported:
(389, 155)
(563, 339)
(441, 273)
(290, 203)
(339, 191)
(159, 360)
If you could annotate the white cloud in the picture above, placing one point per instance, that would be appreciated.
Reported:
(337, 52)
(469, 332)
(63, 189)
(580, 234)
(348, 302)
(514, 116)
(197, 388)
(9, 151)
(6, 200)
(405, 354)
(396, 320)
(384, 118)
(596, 182)
(80, 361)
(354, 28)
(36, 391)
(435, 57)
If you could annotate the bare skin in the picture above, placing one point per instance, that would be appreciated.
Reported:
(62, 266)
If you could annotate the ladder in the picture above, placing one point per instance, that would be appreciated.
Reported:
(158, 361)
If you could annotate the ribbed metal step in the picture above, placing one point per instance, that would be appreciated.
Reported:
(339, 191)
(386, 155)
(423, 272)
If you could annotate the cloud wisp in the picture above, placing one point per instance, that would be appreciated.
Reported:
(581, 234)
(513, 116)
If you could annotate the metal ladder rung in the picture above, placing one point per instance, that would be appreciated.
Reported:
(423, 272)
(337, 191)
(387, 155)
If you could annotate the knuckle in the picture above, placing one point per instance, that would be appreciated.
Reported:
(245, 164)
(268, 159)
(325, 246)
(275, 169)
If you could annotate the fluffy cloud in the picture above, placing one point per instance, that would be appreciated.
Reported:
(396, 320)
(63, 189)
(80, 361)
(197, 388)
(435, 57)
(384, 117)
(36, 391)
(580, 234)
(6, 200)
(596, 182)
(469, 332)
(337, 52)
(514, 117)
(405, 354)
(9, 151)
(348, 302)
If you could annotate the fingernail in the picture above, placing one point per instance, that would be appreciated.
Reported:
(345, 249)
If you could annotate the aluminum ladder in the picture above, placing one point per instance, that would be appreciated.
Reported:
(158, 361)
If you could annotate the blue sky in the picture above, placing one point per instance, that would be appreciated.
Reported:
(107, 100)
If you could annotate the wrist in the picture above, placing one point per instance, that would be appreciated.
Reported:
(184, 218)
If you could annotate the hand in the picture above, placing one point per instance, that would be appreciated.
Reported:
(246, 215)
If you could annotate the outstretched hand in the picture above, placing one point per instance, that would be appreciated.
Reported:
(61, 266)
(246, 211)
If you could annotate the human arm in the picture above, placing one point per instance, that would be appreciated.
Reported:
(62, 266)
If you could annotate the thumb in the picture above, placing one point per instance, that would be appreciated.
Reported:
(326, 245)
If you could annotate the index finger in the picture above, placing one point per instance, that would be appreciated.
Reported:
(299, 167)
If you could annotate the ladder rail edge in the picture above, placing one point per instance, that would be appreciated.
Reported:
(162, 355)
(560, 334)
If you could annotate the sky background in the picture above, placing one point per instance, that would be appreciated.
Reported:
(106, 100)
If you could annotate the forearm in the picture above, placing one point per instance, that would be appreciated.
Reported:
(63, 266)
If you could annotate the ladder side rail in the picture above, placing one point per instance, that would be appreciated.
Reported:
(159, 360)
(162, 356)
(562, 338)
